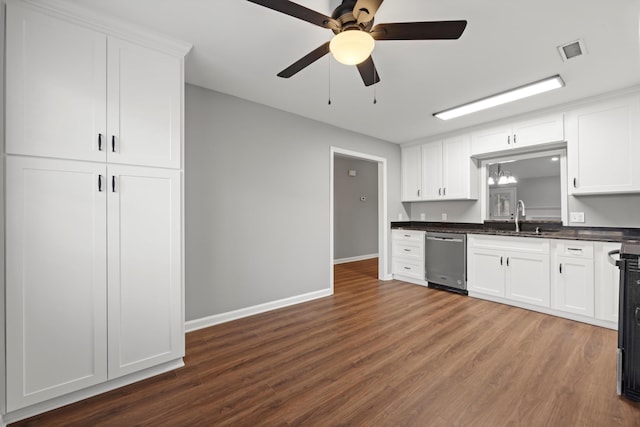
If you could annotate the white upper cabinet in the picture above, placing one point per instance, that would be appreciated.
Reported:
(411, 174)
(55, 87)
(459, 171)
(432, 171)
(144, 96)
(79, 94)
(604, 147)
(539, 130)
(441, 170)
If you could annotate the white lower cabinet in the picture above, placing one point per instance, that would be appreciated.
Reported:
(573, 277)
(607, 283)
(407, 253)
(515, 268)
(145, 309)
(56, 293)
(567, 278)
(70, 226)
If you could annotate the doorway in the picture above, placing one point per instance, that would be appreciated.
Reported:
(381, 208)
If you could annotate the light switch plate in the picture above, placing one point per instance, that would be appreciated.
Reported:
(444, 216)
(422, 216)
(576, 217)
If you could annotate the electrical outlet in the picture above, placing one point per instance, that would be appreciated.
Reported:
(422, 216)
(576, 217)
(444, 216)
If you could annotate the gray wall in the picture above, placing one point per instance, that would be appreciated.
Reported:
(457, 211)
(355, 221)
(607, 211)
(257, 188)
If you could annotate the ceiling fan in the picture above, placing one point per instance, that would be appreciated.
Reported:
(355, 34)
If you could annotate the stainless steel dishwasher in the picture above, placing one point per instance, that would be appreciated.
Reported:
(446, 261)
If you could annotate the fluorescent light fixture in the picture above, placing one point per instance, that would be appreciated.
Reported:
(525, 91)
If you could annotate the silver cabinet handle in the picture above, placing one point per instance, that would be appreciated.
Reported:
(560, 268)
(575, 182)
(113, 143)
(509, 139)
(418, 192)
(501, 261)
(507, 261)
(514, 138)
(439, 191)
(99, 142)
(407, 250)
(113, 184)
(100, 183)
(444, 191)
(407, 268)
(575, 250)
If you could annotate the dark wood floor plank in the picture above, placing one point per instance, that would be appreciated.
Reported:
(377, 353)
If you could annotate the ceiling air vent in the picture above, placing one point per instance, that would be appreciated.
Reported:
(572, 49)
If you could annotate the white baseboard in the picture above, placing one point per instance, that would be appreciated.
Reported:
(205, 322)
(355, 258)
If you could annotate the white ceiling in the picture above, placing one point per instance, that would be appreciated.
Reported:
(239, 47)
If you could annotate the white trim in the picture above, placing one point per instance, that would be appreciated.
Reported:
(383, 232)
(216, 319)
(86, 393)
(354, 259)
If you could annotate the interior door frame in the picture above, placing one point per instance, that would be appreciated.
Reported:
(383, 235)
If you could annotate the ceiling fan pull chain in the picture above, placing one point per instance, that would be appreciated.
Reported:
(329, 89)
(375, 99)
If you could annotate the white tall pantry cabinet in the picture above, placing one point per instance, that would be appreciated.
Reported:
(93, 178)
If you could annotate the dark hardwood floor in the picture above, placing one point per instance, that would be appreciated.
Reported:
(378, 354)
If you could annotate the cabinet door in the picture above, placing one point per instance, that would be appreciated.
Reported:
(527, 278)
(540, 130)
(411, 174)
(56, 278)
(144, 290)
(603, 147)
(607, 283)
(55, 87)
(574, 285)
(432, 171)
(485, 270)
(458, 178)
(491, 140)
(144, 106)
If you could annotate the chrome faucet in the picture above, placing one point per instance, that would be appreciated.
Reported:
(519, 207)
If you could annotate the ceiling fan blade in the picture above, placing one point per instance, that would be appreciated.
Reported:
(368, 72)
(297, 11)
(364, 10)
(305, 61)
(435, 30)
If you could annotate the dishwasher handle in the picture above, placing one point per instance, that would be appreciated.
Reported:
(444, 239)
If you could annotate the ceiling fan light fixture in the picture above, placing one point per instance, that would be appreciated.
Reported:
(511, 95)
(351, 47)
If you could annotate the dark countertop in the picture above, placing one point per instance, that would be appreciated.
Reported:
(547, 230)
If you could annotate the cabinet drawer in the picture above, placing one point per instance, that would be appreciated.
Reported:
(510, 243)
(575, 249)
(408, 235)
(408, 268)
(407, 250)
